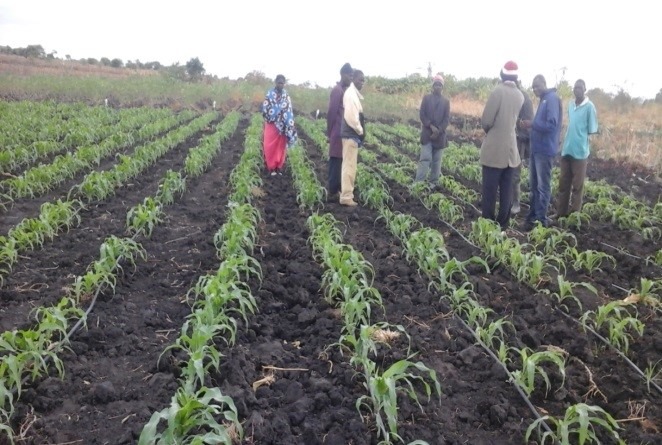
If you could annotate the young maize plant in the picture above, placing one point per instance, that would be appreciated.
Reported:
(239, 233)
(550, 240)
(649, 293)
(141, 219)
(172, 185)
(383, 391)
(427, 248)
(372, 189)
(8, 256)
(383, 387)
(30, 354)
(225, 290)
(575, 221)
(589, 260)
(531, 367)
(566, 292)
(348, 274)
(494, 333)
(399, 224)
(192, 417)
(310, 193)
(578, 426)
(618, 320)
(103, 271)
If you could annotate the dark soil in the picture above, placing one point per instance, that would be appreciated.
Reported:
(114, 380)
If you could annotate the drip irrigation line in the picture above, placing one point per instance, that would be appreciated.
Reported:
(620, 288)
(450, 226)
(512, 380)
(618, 249)
(605, 341)
(627, 360)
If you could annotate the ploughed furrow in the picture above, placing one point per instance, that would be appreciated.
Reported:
(113, 380)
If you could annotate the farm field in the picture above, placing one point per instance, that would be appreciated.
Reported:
(212, 283)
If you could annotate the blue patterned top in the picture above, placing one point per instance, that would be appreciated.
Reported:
(277, 109)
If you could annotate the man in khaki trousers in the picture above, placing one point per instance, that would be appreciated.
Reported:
(352, 132)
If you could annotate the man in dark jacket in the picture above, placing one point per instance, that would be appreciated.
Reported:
(334, 118)
(435, 115)
(525, 114)
(545, 133)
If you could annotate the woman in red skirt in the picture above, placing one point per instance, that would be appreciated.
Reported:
(279, 131)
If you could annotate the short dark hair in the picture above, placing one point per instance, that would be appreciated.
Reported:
(581, 81)
(280, 77)
(357, 72)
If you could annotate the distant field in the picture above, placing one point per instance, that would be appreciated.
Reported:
(630, 132)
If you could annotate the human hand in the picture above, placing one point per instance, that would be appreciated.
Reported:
(434, 128)
(526, 124)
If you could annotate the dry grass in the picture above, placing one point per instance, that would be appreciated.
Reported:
(633, 134)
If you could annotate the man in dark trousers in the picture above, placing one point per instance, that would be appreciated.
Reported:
(498, 152)
(334, 118)
(435, 115)
(526, 113)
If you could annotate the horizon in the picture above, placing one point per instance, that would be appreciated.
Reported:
(468, 41)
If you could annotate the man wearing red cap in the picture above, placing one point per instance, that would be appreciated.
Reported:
(435, 115)
(498, 153)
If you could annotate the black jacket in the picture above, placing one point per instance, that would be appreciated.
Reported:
(435, 110)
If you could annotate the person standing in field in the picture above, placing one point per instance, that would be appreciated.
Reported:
(279, 132)
(582, 122)
(526, 113)
(334, 117)
(434, 115)
(352, 132)
(545, 132)
(498, 152)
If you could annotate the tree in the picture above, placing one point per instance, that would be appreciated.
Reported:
(658, 97)
(116, 63)
(194, 68)
(36, 51)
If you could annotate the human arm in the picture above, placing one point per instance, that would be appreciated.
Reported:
(592, 120)
(335, 104)
(352, 110)
(490, 111)
(446, 116)
(423, 113)
(550, 116)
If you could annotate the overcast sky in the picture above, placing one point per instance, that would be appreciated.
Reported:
(608, 44)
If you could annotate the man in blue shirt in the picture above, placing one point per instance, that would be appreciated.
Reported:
(545, 133)
(582, 122)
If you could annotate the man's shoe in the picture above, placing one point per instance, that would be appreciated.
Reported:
(350, 203)
(528, 226)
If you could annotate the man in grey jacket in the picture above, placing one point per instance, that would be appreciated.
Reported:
(498, 153)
